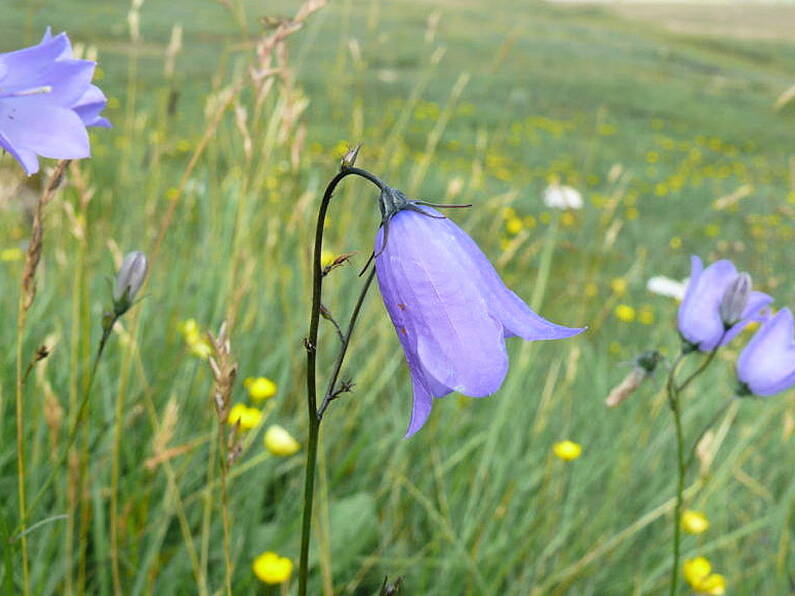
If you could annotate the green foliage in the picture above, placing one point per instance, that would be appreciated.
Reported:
(651, 125)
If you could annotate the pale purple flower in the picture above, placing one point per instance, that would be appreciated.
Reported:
(700, 321)
(450, 308)
(46, 102)
(129, 279)
(767, 364)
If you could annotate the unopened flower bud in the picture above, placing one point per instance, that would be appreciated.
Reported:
(128, 281)
(735, 300)
(645, 364)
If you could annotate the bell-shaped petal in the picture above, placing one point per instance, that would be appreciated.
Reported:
(700, 321)
(46, 102)
(767, 364)
(450, 309)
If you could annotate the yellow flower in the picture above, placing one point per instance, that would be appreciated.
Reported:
(698, 573)
(200, 348)
(279, 442)
(625, 313)
(247, 417)
(694, 522)
(513, 225)
(11, 254)
(567, 450)
(619, 286)
(189, 328)
(695, 570)
(713, 585)
(260, 388)
(326, 258)
(646, 315)
(567, 219)
(197, 343)
(712, 230)
(271, 568)
(676, 242)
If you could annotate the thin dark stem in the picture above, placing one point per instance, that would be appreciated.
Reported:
(712, 421)
(674, 391)
(78, 418)
(331, 391)
(311, 367)
(707, 361)
(327, 315)
(680, 486)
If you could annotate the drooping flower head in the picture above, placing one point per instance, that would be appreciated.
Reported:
(46, 102)
(713, 294)
(766, 365)
(451, 310)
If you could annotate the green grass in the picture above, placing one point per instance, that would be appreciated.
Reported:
(475, 503)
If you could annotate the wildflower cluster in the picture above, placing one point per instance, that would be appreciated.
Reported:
(718, 304)
(698, 574)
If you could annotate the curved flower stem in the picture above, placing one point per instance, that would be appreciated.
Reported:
(707, 361)
(313, 414)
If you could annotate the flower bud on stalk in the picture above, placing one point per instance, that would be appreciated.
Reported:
(735, 300)
(129, 280)
(645, 364)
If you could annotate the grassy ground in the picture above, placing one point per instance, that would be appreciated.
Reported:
(458, 101)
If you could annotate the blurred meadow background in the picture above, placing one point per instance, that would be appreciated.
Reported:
(672, 120)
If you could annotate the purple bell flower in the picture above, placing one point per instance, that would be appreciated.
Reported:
(700, 315)
(767, 364)
(451, 310)
(46, 102)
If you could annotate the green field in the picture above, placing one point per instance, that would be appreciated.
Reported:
(671, 134)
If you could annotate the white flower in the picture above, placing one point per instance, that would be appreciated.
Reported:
(665, 286)
(562, 197)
